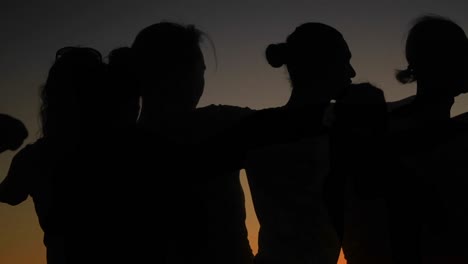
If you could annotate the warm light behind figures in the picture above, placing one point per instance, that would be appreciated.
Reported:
(31, 33)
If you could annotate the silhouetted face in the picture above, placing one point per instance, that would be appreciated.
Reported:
(324, 72)
(193, 82)
(186, 87)
(437, 51)
(464, 71)
(177, 86)
(75, 96)
(338, 70)
(465, 74)
(453, 77)
(446, 69)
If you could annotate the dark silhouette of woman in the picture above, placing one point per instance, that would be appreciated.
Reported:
(209, 224)
(287, 180)
(34, 168)
(353, 190)
(91, 183)
(79, 111)
(436, 51)
(196, 209)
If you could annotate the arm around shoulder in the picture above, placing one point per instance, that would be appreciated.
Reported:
(14, 188)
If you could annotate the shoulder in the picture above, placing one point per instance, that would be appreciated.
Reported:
(31, 151)
(462, 118)
(363, 102)
(19, 181)
(365, 93)
(223, 113)
(401, 106)
(459, 125)
(225, 109)
(362, 99)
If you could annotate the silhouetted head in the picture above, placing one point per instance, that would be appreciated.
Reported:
(317, 57)
(437, 53)
(123, 83)
(170, 66)
(74, 96)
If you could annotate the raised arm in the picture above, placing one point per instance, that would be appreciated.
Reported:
(14, 189)
(226, 151)
(12, 133)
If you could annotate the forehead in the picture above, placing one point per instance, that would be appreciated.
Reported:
(198, 58)
(336, 50)
(342, 49)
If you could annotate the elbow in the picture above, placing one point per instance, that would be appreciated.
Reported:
(12, 200)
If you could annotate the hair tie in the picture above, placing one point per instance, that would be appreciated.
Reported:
(410, 69)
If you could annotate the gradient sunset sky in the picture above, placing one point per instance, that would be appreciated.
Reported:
(31, 32)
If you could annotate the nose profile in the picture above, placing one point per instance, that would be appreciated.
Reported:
(351, 71)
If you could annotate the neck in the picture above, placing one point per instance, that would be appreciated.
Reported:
(431, 104)
(298, 99)
(159, 118)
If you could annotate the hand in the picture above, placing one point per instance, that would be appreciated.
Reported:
(363, 94)
(363, 109)
(12, 133)
(286, 124)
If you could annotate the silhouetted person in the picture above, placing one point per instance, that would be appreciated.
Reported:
(34, 169)
(71, 172)
(125, 94)
(197, 212)
(445, 225)
(208, 224)
(12, 133)
(287, 180)
(104, 167)
(354, 187)
(436, 51)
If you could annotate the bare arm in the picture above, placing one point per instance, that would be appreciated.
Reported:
(14, 189)
(12, 133)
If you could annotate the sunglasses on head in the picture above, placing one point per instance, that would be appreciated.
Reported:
(83, 51)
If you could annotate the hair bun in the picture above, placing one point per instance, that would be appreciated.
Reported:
(405, 76)
(276, 54)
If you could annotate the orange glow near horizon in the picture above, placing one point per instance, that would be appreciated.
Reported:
(21, 239)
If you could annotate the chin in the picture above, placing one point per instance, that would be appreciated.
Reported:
(341, 93)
